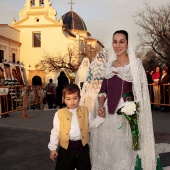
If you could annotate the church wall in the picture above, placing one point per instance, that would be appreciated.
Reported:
(37, 19)
(83, 34)
(39, 73)
(53, 41)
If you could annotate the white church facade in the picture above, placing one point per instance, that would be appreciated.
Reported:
(38, 32)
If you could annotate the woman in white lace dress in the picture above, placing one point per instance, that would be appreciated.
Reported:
(81, 74)
(110, 145)
(92, 85)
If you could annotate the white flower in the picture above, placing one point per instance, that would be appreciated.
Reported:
(129, 108)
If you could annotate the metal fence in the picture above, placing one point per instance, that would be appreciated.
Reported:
(15, 98)
(159, 94)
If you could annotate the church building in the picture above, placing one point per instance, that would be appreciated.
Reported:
(38, 33)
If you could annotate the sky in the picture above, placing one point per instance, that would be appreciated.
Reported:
(102, 18)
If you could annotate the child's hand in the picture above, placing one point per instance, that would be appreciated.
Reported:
(101, 112)
(53, 155)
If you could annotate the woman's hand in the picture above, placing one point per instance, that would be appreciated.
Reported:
(101, 112)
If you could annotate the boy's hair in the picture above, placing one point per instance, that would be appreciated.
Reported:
(70, 89)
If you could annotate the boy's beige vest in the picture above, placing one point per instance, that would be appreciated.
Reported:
(65, 117)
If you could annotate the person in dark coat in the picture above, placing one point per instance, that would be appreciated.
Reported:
(50, 93)
(150, 87)
(62, 82)
(163, 81)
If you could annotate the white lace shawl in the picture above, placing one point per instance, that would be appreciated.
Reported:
(141, 94)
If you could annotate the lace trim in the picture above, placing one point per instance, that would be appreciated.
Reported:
(102, 94)
(122, 72)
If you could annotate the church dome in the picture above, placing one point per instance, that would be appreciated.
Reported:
(71, 20)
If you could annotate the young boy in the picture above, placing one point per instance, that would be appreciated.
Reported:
(70, 131)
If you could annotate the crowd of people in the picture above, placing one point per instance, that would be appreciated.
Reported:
(53, 93)
(159, 80)
(118, 140)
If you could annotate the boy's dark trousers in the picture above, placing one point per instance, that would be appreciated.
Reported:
(76, 156)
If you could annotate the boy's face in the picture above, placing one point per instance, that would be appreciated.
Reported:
(72, 100)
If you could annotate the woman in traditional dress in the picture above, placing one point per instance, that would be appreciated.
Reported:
(93, 82)
(81, 74)
(111, 143)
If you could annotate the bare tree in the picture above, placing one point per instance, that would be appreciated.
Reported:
(151, 61)
(52, 63)
(155, 24)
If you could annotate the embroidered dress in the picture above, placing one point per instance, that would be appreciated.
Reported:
(92, 85)
(111, 147)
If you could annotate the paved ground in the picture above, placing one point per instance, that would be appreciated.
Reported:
(23, 141)
(161, 124)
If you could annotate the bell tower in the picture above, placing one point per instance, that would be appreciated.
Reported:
(32, 7)
(36, 3)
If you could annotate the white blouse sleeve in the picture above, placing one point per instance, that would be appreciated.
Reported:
(54, 137)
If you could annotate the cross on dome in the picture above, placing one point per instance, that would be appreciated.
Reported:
(71, 2)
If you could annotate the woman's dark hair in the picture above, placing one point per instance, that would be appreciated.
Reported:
(122, 32)
(156, 68)
(165, 69)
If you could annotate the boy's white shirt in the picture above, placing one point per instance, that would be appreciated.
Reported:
(74, 131)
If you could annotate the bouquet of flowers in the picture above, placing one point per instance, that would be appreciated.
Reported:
(130, 109)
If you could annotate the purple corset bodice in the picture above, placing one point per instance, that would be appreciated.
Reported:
(114, 88)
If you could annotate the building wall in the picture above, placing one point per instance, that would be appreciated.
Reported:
(33, 73)
(9, 42)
